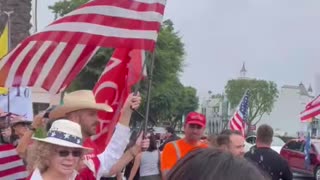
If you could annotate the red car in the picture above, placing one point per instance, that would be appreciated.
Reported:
(293, 152)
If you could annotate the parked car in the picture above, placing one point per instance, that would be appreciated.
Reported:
(293, 152)
(276, 144)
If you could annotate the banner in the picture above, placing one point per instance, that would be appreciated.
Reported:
(20, 102)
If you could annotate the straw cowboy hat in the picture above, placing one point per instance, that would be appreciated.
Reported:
(65, 133)
(77, 100)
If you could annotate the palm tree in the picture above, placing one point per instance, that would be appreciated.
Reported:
(20, 19)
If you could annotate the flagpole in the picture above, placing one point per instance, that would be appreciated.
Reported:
(9, 114)
(149, 92)
(8, 13)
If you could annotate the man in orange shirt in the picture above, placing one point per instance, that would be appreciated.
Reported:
(194, 127)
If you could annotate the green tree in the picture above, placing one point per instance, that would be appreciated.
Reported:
(263, 94)
(169, 98)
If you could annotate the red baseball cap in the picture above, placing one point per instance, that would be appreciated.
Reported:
(196, 118)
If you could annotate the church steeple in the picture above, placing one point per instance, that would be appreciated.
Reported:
(310, 89)
(243, 71)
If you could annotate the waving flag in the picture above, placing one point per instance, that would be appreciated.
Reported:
(238, 120)
(11, 165)
(307, 147)
(121, 73)
(52, 58)
(312, 110)
(4, 41)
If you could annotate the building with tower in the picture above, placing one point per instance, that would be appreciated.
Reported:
(216, 107)
(243, 72)
(285, 115)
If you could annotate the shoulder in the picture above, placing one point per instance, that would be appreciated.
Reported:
(169, 147)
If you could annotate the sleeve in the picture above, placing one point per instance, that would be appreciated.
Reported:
(168, 158)
(114, 150)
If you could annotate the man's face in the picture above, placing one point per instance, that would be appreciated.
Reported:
(236, 146)
(193, 132)
(20, 130)
(88, 121)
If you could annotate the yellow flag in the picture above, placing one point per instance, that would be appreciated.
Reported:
(4, 91)
(4, 42)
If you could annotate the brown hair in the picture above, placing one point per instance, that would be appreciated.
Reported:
(207, 164)
(224, 137)
(265, 134)
(39, 156)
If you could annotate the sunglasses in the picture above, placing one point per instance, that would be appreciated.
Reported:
(65, 153)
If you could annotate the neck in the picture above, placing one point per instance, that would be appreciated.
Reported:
(51, 174)
(191, 142)
(262, 145)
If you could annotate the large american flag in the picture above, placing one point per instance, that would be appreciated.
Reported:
(11, 165)
(240, 116)
(312, 109)
(52, 58)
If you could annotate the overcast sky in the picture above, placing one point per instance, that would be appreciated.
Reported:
(279, 40)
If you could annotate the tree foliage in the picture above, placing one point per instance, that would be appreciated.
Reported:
(169, 98)
(263, 94)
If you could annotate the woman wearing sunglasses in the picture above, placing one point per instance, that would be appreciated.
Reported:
(59, 154)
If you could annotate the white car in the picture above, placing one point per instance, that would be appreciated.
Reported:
(276, 144)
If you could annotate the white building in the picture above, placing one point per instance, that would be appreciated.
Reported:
(216, 109)
(41, 99)
(284, 117)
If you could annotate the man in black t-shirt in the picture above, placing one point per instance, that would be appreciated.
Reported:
(267, 159)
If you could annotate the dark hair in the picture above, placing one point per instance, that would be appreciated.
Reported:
(208, 164)
(265, 134)
(224, 137)
(170, 130)
(212, 140)
(153, 143)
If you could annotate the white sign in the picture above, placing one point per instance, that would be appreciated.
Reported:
(20, 102)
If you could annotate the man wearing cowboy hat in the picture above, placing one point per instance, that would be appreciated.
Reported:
(81, 107)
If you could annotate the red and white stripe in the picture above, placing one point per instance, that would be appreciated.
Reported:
(312, 109)
(52, 58)
(237, 123)
(11, 165)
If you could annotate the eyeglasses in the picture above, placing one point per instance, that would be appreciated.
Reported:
(65, 153)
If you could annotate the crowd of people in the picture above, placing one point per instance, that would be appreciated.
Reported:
(66, 152)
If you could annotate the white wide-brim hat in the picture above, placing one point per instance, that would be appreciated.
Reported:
(64, 133)
(77, 100)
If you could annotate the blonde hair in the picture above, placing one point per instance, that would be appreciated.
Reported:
(39, 155)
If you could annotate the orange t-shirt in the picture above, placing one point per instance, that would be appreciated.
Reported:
(170, 156)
